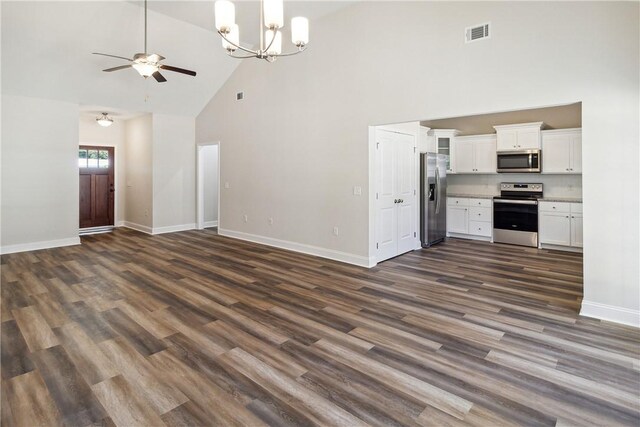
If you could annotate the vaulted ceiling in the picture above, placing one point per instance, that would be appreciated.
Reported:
(46, 50)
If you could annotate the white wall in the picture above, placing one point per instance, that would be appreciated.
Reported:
(210, 182)
(139, 173)
(39, 173)
(113, 136)
(297, 144)
(174, 172)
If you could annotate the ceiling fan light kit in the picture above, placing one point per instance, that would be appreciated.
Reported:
(104, 120)
(144, 63)
(272, 17)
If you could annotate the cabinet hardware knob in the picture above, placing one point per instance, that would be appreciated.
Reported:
(553, 207)
(567, 216)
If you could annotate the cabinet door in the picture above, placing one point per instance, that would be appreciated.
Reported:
(464, 156)
(556, 153)
(457, 220)
(576, 230)
(576, 153)
(507, 140)
(555, 229)
(485, 155)
(528, 139)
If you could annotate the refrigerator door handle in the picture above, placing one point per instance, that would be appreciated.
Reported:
(437, 197)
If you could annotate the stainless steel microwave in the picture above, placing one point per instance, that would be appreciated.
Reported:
(522, 161)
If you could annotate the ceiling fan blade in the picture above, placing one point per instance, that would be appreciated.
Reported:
(159, 77)
(122, 67)
(112, 56)
(178, 70)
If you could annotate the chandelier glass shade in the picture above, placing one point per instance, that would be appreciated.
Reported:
(270, 46)
(104, 120)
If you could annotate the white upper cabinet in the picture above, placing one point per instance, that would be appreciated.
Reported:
(562, 151)
(475, 154)
(522, 136)
(444, 144)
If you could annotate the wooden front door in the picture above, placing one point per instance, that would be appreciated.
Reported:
(96, 165)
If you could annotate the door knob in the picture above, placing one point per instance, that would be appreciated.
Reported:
(395, 200)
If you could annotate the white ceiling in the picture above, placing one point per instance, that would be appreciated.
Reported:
(46, 50)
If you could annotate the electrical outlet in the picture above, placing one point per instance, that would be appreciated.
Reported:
(246, 218)
(335, 231)
(270, 221)
(357, 191)
(226, 185)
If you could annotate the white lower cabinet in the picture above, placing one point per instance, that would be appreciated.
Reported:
(560, 224)
(457, 219)
(470, 218)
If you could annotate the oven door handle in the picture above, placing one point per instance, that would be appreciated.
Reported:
(516, 202)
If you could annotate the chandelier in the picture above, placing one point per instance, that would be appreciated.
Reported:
(104, 120)
(272, 15)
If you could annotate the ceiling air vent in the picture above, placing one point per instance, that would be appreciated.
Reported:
(477, 32)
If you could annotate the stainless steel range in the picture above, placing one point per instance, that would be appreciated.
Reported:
(515, 214)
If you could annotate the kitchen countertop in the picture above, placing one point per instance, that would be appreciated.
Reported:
(544, 199)
(470, 196)
(562, 199)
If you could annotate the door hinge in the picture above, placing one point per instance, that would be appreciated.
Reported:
(377, 145)
(414, 191)
(414, 234)
(377, 246)
(376, 196)
(414, 149)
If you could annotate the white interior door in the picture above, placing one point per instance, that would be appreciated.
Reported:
(387, 214)
(396, 199)
(405, 160)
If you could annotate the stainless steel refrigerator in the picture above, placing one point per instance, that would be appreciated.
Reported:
(433, 198)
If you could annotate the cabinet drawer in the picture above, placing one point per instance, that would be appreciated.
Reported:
(457, 201)
(479, 214)
(485, 203)
(480, 228)
(576, 208)
(555, 207)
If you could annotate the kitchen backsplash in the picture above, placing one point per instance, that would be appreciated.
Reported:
(554, 185)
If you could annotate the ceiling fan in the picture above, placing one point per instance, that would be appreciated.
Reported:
(144, 63)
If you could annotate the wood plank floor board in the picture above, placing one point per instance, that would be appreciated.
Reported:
(70, 392)
(192, 328)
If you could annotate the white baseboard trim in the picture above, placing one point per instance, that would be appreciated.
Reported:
(138, 227)
(469, 237)
(348, 258)
(35, 246)
(173, 228)
(611, 313)
(208, 224)
(561, 248)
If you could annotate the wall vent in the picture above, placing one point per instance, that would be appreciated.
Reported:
(477, 32)
(239, 96)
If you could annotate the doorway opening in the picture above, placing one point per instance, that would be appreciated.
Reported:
(97, 192)
(208, 186)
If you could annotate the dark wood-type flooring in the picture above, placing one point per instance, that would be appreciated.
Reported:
(193, 328)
